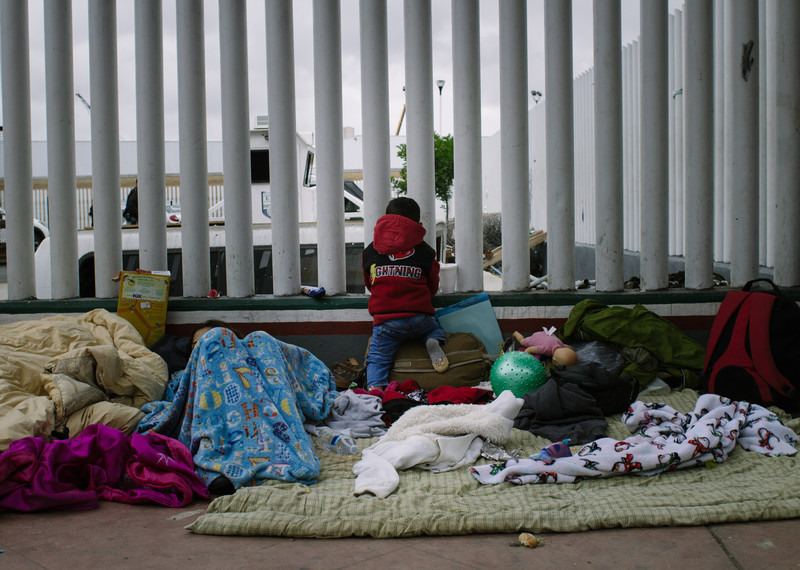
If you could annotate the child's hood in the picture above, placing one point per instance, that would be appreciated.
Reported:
(395, 233)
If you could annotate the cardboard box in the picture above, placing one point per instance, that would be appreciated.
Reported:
(143, 301)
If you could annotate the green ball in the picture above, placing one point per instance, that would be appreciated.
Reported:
(517, 371)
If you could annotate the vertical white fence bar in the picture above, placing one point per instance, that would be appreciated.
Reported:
(719, 131)
(590, 160)
(374, 111)
(514, 197)
(467, 145)
(783, 118)
(698, 94)
(587, 149)
(627, 189)
(150, 161)
(61, 149)
(538, 161)
(576, 135)
(627, 139)
(741, 136)
(105, 146)
(763, 191)
(582, 214)
(637, 151)
(680, 149)
(17, 148)
(626, 195)
(419, 115)
(587, 152)
(236, 150)
(283, 149)
(608, 145)
(560, 146)
(654, 94)
(195, 256)
(329, 152)
(671, 133)
(728, 69)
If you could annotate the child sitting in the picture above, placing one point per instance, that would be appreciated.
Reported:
(402, 274)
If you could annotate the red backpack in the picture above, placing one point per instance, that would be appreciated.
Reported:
(753, 352)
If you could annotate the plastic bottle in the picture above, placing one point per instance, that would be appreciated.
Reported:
(336, 442)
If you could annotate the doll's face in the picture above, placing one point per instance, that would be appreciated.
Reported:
(564, 357)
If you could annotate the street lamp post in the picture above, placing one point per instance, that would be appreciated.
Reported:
(440, 84)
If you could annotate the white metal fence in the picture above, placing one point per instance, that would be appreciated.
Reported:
(724, 83)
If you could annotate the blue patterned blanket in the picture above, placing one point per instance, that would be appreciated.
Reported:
(239, 406)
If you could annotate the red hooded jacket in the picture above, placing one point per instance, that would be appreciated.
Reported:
(400, 270)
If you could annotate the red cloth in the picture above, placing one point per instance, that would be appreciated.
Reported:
(462, 395)
(100, 463)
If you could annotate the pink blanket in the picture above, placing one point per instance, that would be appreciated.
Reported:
(101, 463)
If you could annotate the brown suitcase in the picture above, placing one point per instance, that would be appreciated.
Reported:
(469, 362)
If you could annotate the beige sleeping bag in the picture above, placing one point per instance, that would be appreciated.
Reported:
(74, 371)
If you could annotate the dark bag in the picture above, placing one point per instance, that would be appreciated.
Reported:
(469, 362)
(612, 393)
(753, 351)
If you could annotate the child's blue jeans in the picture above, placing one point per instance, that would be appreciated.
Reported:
(387, 336)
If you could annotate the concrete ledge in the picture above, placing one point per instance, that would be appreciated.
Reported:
(359, 302)
(334, 328)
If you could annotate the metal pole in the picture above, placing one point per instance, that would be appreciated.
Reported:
(105, 146)
(515, 198)
(236, 151)
(671, 135)
(419, 98)
(329, 152)
(467, 145)
(61, 150)
(784, 141)
(608, 145)
(679, 136)
(17, 149)
(152, 192)
(741, 136)
(763, 191)
(719, 131)
(193, 148)
(283, 149)
(699, 143)
(374, 111)
(654, 94)
(560, 145)
(637, 150)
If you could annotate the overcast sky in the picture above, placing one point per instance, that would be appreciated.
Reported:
(304, 73)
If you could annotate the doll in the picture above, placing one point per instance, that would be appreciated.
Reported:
(546, 344)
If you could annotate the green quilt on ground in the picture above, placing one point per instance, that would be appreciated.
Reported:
(747, 487)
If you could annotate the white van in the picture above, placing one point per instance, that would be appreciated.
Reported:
(262, 257)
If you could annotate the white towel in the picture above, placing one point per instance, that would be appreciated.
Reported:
(438, 438)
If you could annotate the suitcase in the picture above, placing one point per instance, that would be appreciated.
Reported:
(469, 362)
